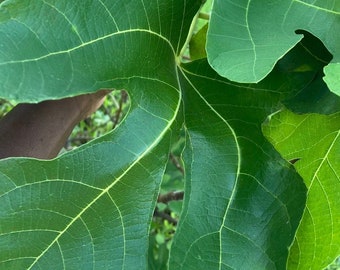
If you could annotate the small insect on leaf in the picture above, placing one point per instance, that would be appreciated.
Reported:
(294, 160)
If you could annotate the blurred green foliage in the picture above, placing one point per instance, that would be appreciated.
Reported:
(5, 107)
(168, 209)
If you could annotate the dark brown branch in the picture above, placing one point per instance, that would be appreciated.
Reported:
(171, 196)
(165, 216)
(176, 163)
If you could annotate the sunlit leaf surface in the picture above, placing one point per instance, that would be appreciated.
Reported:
(313, 142)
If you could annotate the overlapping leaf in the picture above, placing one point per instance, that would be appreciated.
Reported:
(247, 38)
(332, 72)
(248, 171)
(79, 210)
(92, 207)
(243, 202)
(313, 140)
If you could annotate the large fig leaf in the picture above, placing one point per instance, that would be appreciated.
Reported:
(313, 140)
(91, 208)
(223, 225)
(246, 38)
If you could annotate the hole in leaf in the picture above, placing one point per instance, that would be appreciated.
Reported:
(104, 119)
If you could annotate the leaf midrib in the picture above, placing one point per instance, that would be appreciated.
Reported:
(238, 162)
(323, 160)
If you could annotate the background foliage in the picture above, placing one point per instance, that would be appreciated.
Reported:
(260, 161)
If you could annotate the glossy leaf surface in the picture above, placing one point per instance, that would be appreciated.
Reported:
(222, 225)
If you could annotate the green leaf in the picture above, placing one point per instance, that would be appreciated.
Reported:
(91, 208)
(79, 210)
(54, 49)
(246, 39)
(314, 140)
(332, 72)
(197, 44)
(74, 212)
(315, 97)
(223, 224)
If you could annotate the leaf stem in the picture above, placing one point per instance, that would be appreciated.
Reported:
(186, 43)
